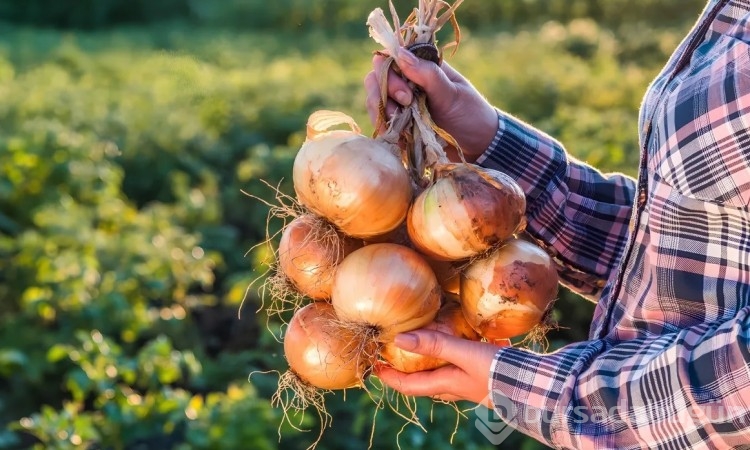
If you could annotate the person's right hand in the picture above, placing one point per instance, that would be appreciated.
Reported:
(454, 104)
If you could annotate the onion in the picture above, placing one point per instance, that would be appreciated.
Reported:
(448, 274)
(398, 235)
(385, 289)
(321, 353)
(507, 293)
(357, 183)
(467, 210)
(309, 251)
(450, 320)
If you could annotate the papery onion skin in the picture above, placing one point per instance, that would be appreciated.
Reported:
(309, 252)
(450, 320)
(387, 287)
(355, 182)
(468, 210)
(507, 293)
(321, 353)
(399, 235)
(448, 274)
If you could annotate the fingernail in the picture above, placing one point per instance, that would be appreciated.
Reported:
(406, 57)
(406, 341)
(402, 97)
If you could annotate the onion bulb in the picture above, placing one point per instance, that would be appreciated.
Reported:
(398, 235)
(465, 212)
(357, 183)
(450, 320)
(385, 289)
(309, 251)
(321, 353)
(448, 274)
(507, 293)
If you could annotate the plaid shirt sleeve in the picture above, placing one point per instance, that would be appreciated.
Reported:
(667, 363)
(579, 215)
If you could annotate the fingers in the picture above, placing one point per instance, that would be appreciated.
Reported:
(373, 99)
(398, 89)
(465, 378)
(448, 383)
(473, 357)
(440, 83)
(428, 75)
(421, 384)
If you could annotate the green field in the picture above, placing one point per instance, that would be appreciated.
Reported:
(128, 133)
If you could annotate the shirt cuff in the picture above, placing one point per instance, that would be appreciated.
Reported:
(530, 391)
(495, 140)
(513, 397)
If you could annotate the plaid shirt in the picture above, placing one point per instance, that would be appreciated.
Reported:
(667, 363)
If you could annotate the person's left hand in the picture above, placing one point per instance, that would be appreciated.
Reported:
(466, 378)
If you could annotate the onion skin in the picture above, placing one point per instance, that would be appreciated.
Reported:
(309, 252)
(448, 274)
(507, 293)
(387, 287)
(320, 353)
(468, 210)
(355, 182)
(450, 320)
(399, 236)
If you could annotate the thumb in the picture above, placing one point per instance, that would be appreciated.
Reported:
(468, 355)
(426, 74)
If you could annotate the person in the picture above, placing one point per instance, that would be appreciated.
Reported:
(666, 255)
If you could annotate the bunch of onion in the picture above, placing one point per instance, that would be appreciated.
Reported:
(508, 292)
(431, 227)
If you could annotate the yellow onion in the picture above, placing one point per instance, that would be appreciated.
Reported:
(385, 289)
(450, 320)
(448, 274)
(507, 293)
(465, 212)
(320, 352)
(309, 251)
(398, 235)
(357, 183)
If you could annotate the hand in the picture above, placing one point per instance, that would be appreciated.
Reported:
(454, 104)
(466, 378)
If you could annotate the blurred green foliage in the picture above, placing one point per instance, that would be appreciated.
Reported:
(337, 15)
(124, 154)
